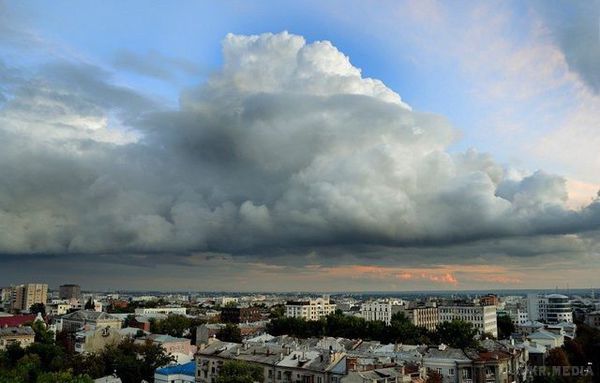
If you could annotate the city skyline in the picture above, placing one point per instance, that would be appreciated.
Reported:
(279, 146)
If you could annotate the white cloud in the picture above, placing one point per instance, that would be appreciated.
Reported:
(288, 146)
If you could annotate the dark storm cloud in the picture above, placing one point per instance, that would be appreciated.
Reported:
(157, 65)
(575, 25)
(288, 149)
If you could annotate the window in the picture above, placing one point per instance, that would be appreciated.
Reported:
(451, 372)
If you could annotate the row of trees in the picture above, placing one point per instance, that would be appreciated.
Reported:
(176, 325)
(401, 330)
(47, 361)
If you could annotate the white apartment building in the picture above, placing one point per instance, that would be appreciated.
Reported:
(483, 318)
(553, 308)
(380, 310)
(428, 317)
(160, 310)
(311, 309)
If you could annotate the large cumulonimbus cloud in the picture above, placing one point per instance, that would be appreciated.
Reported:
(287, 146)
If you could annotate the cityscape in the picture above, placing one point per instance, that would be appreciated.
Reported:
(309, 191)
(289, 337)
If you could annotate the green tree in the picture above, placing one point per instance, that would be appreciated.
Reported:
(89, 305)
(134, 362)
(434, 377)
(458, 334)
(63, 377)
(38, 308)
(42, 335)
(174, 325)
(505, 326)
(230, 333)
(277, 311)
(557, 357)
(236, 371)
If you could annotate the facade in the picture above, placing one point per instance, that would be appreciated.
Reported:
(240, 314)
(23, 296)
(96, 339)
(87, 320)
(69, 291)
(160, 310)
(311, 309)
(495, 364)
(593, 319)
(280, 363)
(180, 348)
(489, 300)
(428, 317)
(380, 310)
(553, 308)
(382, 375)
(10, 335)
(483, 318)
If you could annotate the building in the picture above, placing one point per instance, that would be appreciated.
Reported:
(483, 318)
(88, 320)
(427, 317)
(553, 308)
(10, 335)
(96, 339)
(24, 296)
(495, 363)
(16, 320)
(160, 310)
(593, 319)
(489, 300)
(281, 363)
(180, 348)
(69, 292)
(380, 310)
(179, 373)
(240, 314)
(311, 309)
(381, 375)
(547, 339)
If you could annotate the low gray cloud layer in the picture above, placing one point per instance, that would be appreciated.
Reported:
(286, 147)
(575, 26)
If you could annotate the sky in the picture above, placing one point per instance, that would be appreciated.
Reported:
(300, 146)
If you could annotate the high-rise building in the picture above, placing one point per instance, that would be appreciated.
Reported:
(69, 291)
(26, 295)
(553, 308)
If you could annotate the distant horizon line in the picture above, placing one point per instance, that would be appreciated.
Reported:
(358, 292)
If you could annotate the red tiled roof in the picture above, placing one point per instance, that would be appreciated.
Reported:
(17, 320)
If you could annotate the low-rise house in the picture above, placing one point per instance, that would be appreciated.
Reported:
(10, 335)
(180, 348)
(96, 339)
(160, 310)
(546, 338)
(382, 375)
(16, 320)
(87, 320)
(280, 363)
(179, 373)
(496, 363)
